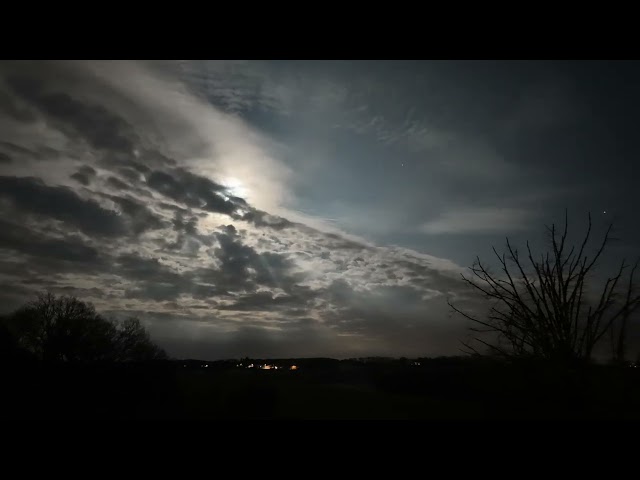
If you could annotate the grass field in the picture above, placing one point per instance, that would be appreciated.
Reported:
(331, 390)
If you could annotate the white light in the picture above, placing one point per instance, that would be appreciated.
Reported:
(235, 187)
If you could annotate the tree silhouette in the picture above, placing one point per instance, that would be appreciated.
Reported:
(134, 344)
(541, 306)
(65, 329)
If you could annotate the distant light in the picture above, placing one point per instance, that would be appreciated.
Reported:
(604, 211)
(206, 366)
(293, 367)
(266, 367)
(184, 366)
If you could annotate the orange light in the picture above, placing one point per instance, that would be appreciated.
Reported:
(293, 367)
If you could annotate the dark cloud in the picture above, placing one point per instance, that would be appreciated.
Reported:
(117, 184)
(80, 292)
(136, 267)
(188, 238)
(84, 175)
(87, 170)
(156, 281)
(138, 217)
(13, 296)
(31, 195)
(333, 240)
(172, 207)
(152, 279)
(37, 152)
(4, 158)
(188, 225)
(23, 240)
(158, 292)
(169, 186)
(129, 163)
(199, 192)
(16, 149)
(150, 158)
(130, 174)
(11, 108)
(81, 178)
(263, 219)
(101, 128)
(294, 304)
(195, 191)
(241, 267)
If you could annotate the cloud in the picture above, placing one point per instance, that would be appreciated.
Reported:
(267, 301)
(81, 178)
(196, 191)
(21, 239)
(135, 210)
(479, 220)
(138, 217)
(84, 175)
(101, 128)
(117, 184)
(8, 106)
(32, 196)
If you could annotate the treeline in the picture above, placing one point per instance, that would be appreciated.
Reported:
(63, 329)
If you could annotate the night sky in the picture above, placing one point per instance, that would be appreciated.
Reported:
(302, 208)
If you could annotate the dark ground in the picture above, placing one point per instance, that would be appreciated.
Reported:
(449, 388)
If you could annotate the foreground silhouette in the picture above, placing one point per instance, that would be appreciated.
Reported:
(540, 305)
(66, 362)
(65, 329)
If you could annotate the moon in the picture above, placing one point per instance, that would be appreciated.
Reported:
(235, 187)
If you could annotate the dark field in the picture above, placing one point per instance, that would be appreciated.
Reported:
(320, 389)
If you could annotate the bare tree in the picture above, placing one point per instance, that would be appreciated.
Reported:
(541, 306)
(133, 343)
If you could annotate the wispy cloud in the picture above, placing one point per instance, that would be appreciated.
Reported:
(479, 220)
